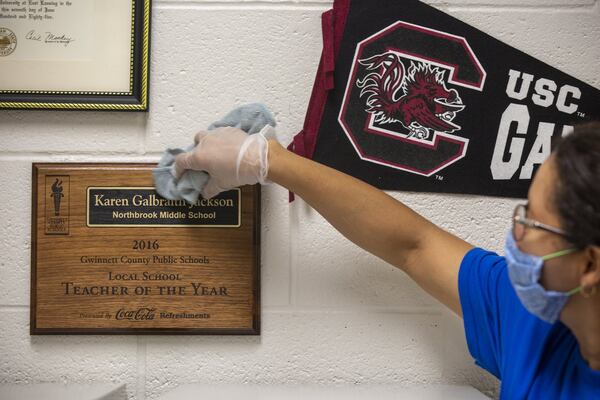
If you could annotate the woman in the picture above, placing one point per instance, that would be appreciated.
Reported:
(531, 318)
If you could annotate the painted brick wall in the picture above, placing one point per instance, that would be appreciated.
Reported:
(331, 312)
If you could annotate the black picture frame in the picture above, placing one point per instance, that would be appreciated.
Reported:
(134, 100)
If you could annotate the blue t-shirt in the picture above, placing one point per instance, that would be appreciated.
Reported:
(533, 359)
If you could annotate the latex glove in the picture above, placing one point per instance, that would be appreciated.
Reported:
(230, 156)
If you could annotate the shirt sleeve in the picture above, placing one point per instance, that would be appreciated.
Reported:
(483, 287)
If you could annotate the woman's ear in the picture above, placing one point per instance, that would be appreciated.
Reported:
(591, 276)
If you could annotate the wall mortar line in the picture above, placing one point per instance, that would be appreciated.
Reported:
(141, 368)
(291, 256)
(13, 307)
(552, 9)
(58, 156)
(241, 6)
(327, 310)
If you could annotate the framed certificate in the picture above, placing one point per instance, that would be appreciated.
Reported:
(74, 54)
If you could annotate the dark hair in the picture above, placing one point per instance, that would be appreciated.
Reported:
(577, 197)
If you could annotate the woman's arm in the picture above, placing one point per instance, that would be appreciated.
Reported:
(376, 222)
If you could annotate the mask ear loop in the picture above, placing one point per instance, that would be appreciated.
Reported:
(589, 294)
(558, 254)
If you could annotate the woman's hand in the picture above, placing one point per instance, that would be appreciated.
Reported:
(230, 156)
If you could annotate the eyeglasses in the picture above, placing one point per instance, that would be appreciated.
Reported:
(521, 223)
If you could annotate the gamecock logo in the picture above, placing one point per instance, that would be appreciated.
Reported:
(419, 100)
(401, 101)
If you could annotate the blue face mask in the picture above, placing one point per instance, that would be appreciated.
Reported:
(525, 271)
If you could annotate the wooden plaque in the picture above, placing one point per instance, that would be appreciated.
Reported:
(110, 256)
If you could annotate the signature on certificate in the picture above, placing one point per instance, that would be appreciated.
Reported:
(49, 37)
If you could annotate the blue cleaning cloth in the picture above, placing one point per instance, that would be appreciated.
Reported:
(251, 118)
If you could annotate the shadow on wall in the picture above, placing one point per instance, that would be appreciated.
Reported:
(119, 394)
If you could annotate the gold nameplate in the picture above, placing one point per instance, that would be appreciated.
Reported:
(110, 256)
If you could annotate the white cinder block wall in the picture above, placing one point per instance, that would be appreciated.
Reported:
(331, 312)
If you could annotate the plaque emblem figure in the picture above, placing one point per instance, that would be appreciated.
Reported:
(57, 207)
(8, 42)
(57, 194)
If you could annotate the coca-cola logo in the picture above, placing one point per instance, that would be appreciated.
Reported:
(141, 314)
